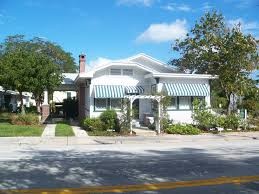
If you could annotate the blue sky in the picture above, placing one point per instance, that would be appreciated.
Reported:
(114, 29)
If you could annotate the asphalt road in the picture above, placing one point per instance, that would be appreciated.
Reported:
(46, 167)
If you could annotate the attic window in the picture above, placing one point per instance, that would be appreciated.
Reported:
(115, 72)
(128, 72)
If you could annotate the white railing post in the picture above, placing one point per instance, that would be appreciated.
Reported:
(131, 115)
(158, 116)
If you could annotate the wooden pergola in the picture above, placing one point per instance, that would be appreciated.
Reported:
(153, 97)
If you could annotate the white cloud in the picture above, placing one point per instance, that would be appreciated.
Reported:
(5, 18)
(164, 32)
(177, 7)
(207, 6)
(247, 27)
(146, 3)
(98, 62)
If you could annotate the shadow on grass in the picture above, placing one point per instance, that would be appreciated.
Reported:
(73, 168)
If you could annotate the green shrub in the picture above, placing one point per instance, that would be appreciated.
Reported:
(203, 118)
(109, 118)
(93, 124)
(183, 130)
(165, 123)
(231, 122)
(152, 126)
(25, 119)
(31, 109)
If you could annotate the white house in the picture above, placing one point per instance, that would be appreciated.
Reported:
(138, 78)
(67, 88)
(10, 98)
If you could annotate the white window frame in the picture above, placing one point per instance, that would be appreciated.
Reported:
(171, 106)
(115, 108)
(100, 109)
(189, 100)
(129, 70)
(115, 69)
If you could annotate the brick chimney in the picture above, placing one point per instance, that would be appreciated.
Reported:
(82, 59)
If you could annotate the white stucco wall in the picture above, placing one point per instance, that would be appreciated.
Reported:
(102, 77)
(184, 116)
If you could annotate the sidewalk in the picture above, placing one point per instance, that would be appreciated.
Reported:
(160, 139)
(168, 138)
(49, 131)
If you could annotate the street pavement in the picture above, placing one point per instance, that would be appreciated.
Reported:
(56, 166)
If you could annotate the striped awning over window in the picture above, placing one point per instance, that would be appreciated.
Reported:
(134, 89)
(177, 89)
(108, 91)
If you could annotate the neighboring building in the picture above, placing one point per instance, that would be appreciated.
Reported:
(10, 99)
(141, 76)
(67, 88)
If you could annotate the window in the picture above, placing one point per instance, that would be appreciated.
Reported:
(115, 103)
(185, 103)
(68, 95)
(153, 89)
(100, 104)
(173, 104)
(115, 72)
(128, 72)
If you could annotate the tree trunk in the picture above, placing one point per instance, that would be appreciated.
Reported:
(21, 105)
(230, 98)
(38, 106)
(37, 101)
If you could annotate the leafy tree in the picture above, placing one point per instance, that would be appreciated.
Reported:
(28, 67)
(44, 74)
(56, 54)
(15, 61)
(212, 47)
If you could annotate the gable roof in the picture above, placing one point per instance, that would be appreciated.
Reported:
(156, 68)
(151, 62)
(140, 60)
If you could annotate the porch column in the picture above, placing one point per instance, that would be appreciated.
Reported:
(131, 101)
(45, 98)
(45, 107)
(158, 116)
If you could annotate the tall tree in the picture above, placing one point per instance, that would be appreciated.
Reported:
(56, 54)
(26, 66)
(15, 61)
(213, 47)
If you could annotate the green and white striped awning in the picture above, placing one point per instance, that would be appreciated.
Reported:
(177, 89)
(108, 91)
(134, 89)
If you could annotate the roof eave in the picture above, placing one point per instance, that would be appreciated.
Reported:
(181, 75)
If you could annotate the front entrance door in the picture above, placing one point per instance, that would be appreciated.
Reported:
(135, 107)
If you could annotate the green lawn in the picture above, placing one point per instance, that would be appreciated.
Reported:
(8, 130)
(63, 129)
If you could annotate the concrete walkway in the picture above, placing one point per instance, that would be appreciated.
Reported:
(49, 130)
(144, 132)
(79, 132)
